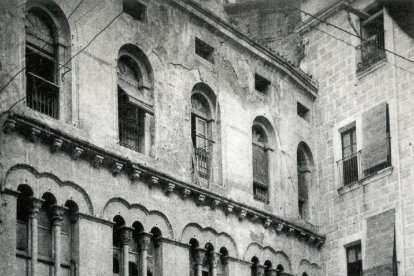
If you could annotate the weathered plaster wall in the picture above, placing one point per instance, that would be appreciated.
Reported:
(167, 38)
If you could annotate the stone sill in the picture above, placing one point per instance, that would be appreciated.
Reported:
(371, 69)
(365, 181)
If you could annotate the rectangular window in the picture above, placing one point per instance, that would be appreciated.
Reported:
(204, 50)
(302, 111)
(261, 84)
(349, 156)
(131, 126)
(135, 9)
(201, 152)
(354, 260)
(371, 50)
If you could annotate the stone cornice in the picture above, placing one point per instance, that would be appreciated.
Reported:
(266, 54)
(26, 126)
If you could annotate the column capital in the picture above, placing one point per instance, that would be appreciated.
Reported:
(200, 254)
(35, 205)
(57, 214)
(215, 259)
(144, 240)
(126, 235)
(260, 270)
(272, 272)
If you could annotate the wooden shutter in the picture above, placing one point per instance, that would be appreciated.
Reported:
(379, 253)
(374, 135)
(260, 165)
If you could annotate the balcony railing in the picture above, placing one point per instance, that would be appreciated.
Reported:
(350, 169)
(371, 51)
(260, 192)
(201, 163)
(42, 95)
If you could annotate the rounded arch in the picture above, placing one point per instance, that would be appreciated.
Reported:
(305, 266)
(140, 63)
(305, 178)
(263, 125)
(39, 183)
(205, 95)
(209, 235)
(57, 17)
(148, 218)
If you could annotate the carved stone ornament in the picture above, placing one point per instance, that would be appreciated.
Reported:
(9, 125)
(229, 208)
(267, 223)
(291, 231)
(186, 193)
(170, 188)
(311, 240)
(35, 135)
(97, 161)
(255, 217)
(279, 227)
(303, 236)
(201, 199)
(135, 173)
(242, 214)
(35, 205)
(200, 255)
(126, 235)
(154, 181)
(272, 272)
(144, 240)
(57, 144)
(117, 167)
(57, 214)
(216, 203)
(260, 270)
(76, 153)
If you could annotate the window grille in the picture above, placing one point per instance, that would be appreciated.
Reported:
(131, 124)
(354, 260)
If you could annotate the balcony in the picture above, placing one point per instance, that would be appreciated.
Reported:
(350, 168)
(371, 51)
(260, 192)
(201, 165)
(42, 95)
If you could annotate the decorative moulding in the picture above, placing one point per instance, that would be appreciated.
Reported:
(115, 163)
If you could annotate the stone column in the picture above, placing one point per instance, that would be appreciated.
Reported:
(36, 204)
(199, 256)
(271, 272)
(260, 270)
(57, 219)
(144, 241)
(126, 238)
(214, 260)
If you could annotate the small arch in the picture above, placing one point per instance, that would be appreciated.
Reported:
(255, 262)
(49, 199)
(194, 243)
(138, 227)
(72, 206)
(304, 170)
(209, 247)
(25, 190)
(280, 268)
(268, 264)
(304, 274)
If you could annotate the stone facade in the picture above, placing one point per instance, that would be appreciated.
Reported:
(122, 206)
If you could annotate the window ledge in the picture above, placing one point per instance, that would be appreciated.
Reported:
(365, 181)
(371, 69)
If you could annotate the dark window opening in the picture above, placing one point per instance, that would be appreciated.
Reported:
(135, 9)
(260, 165)
(371, 49)
(115, 265)
(301, 205)
(354, 260)
(204, 50)
(131, 124)
(349, 156)
(261, 84)
(205, 273)
(302, 111)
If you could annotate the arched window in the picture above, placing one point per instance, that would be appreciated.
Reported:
(205, 134)
(255, 266)
(117, 245)
(304, 167)
(260, 164)
(135, 100)
(280, 269)
(268, 268)
(224, 261)
(154, 253)
(47, 58)
(23, 229)
(42, 92)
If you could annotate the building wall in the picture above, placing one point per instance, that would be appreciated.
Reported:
(167, 39)
(344, 96)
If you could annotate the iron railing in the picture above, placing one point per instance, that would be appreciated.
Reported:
(350, 168)
(371, 51)
(260, 192)
(131, 127)
(42, 95)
